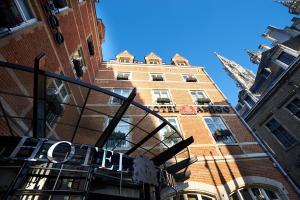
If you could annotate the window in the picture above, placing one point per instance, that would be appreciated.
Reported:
(116, 139)
(284, 137)
(219, 130)
(294, 107)
(57, 93)
(60, 5)
(199, 97)
(80, 1)
(91, 46)
(254, 194)
(78, 62)
(153, 61)
(168, 135)
(189, 78)
(181, 63)
(286, 58)
(124, 60)
(157, 77)
(250, 101)
(14, 14)
(123, 76)
(161, 97)
(120, 91)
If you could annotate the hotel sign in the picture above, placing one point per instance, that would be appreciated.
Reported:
(190, 109)
(44, 150)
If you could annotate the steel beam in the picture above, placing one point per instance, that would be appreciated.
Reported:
(181, 165)
(172, 151)
(39, 94)
(145, 139)
(115, 120)
(182, 176)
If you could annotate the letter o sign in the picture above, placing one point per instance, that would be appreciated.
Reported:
(51, 149)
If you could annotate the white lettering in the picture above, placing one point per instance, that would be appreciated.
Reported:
(51, 149)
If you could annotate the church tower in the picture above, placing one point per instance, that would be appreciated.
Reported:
(244, 78)
(293, 5)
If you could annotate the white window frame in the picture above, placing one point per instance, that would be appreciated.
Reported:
(121, 93)
(129, 75)
(188, 75)
(128, 137)
(157, 74)
(177, 127)
(233, 139)
(262, 191)
(203, 92)
(26, 22)
(168, 94)
(287, 50)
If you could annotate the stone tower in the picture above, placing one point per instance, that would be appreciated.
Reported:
(244, 78)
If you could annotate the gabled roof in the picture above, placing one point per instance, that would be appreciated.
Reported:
(125, 54)
(152, 55)
(178, 57)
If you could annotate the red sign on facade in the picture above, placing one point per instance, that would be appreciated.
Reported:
(188, 110)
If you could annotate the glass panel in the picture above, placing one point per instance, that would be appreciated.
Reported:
(192, 197)
(245, 194)
(10, 14)
(271, 195)
(257, 193)
(234, 196)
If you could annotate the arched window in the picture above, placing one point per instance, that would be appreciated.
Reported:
(192, 196)
(255, 193)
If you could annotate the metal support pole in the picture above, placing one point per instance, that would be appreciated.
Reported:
(39, 94)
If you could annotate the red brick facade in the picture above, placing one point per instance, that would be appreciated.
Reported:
(221, 169)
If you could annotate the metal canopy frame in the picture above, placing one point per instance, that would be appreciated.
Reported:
(38, 127)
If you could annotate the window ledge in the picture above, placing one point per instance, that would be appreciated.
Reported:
(19, 27)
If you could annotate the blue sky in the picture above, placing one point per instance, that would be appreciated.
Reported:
(192, 28)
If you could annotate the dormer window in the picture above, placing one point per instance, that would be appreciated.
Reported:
(152, 61)
(189, 78)
(13, 14)
(157, 77)
(123, 76)
(181, 63)
(124, 60)
(286, 58)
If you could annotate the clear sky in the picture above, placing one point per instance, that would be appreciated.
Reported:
(192, 28)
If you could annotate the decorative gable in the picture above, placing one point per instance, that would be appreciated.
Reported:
(152, 58)
(125, 57)
(179, 60)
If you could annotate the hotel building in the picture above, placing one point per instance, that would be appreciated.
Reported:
(228, 162)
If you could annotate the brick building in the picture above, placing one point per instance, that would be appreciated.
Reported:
(66, 30)
(231, 163)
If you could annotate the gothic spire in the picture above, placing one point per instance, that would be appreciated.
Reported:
(244, 78)
(293, 5)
